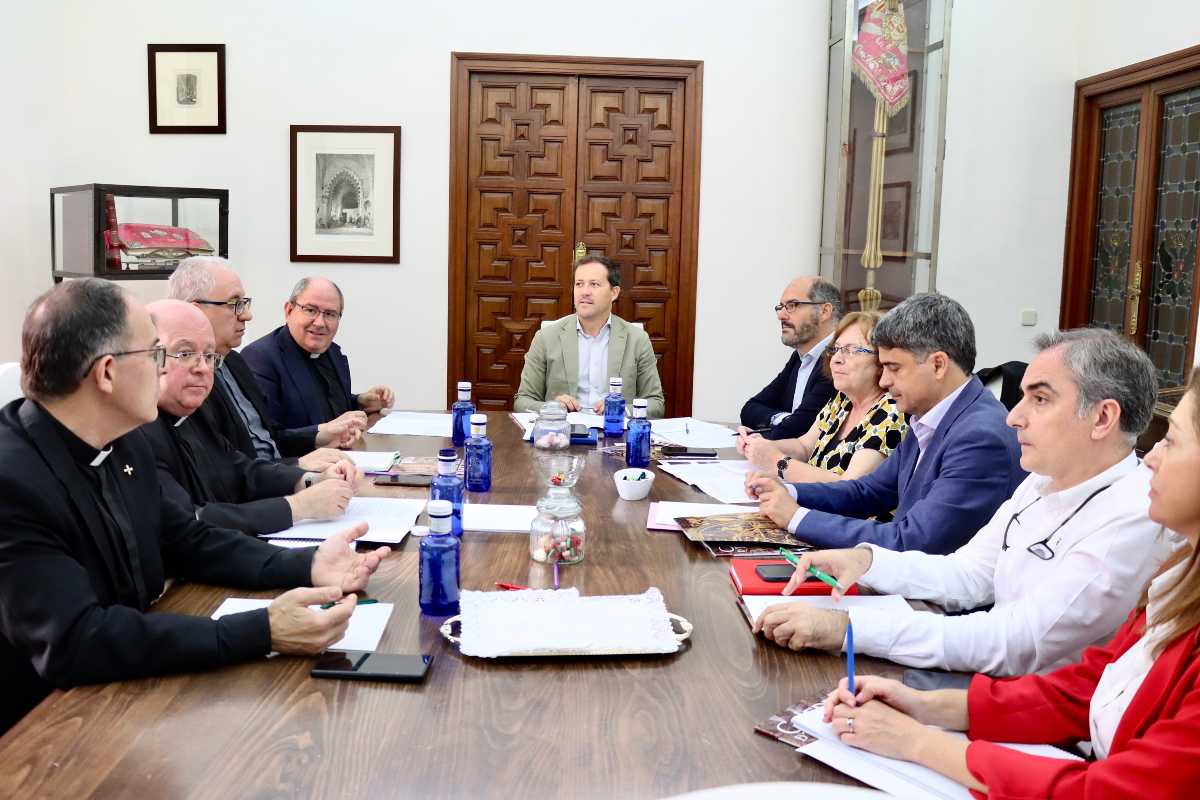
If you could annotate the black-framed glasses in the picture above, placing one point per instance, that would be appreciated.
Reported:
(312, 312)
(1041, 548)
(239, 305)
(792, 305)
(191, 359)
(848, 350)
(160, 356)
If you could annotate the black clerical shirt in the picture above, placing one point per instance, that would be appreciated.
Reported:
(71, 610)
(334, 394)
(200, 469)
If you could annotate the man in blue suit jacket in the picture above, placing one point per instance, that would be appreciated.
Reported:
(947, 478)
(303, 375)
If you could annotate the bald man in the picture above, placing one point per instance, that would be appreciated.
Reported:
(303, 375)
(198, 467)
(808, 311)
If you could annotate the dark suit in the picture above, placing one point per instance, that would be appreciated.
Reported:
(198, 468)
(227, 420)
(293, 397)
(973, 464)
(67, 614)
(777, 396)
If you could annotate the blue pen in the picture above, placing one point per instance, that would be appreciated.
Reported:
(850, 656)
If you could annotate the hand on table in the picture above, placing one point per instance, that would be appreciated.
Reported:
(885, 716)
(797, 626)
(845, 566)
(299, 630)
(760, 452)
(343, 431)
(568, 402)
(326, 499)
(773, 497)
(318, 460)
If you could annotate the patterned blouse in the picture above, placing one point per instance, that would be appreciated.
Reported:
(882, 430)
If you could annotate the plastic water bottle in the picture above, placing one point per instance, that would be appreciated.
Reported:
(460, 421)
(479, 456)
(614, 409)
(440, 565)
(637, 442)
(448, 486)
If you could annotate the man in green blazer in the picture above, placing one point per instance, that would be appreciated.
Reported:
(571, 359)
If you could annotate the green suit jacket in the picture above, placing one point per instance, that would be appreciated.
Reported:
(552, 365)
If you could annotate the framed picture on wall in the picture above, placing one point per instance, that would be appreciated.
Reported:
(894, 222)
(902, 126)
(345, 193)
(186, 87)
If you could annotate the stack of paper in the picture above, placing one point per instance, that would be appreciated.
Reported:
(900, 778)
(722, 480)
(663, 514)
(692, 432)
(498, 518)
(413, 423)
(757, 603)
(363, 633)
(371, 461)
(389, 520)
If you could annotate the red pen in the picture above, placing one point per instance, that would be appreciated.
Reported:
(512, 587)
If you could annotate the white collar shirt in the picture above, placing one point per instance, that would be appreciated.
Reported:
(592, 384)
(1045, 611)
(808, 362)
(926, 425)
(1121, 679)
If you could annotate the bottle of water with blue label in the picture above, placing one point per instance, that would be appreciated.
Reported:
(614, 409)
(479, 456)
(637, 441)
(460, 419)
(448, 486)
(439, 564)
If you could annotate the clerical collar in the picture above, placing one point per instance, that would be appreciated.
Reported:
(80, 450)
(180, 421)
(303, 352)
(99, 459)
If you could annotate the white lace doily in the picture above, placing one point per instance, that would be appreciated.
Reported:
(549, 622)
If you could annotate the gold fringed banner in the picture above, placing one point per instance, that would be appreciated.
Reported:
(880, 60)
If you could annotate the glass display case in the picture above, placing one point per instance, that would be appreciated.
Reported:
(121, 232)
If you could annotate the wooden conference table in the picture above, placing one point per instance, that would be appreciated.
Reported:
(610, 727)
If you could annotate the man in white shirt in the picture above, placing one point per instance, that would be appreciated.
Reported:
(808, 311)
(572, 359)
(1063, 560)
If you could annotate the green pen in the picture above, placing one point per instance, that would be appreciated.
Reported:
(816, 573)
(364, 602)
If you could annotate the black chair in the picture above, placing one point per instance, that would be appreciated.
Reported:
(1008, 375)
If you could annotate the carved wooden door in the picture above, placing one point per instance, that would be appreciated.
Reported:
(521, 209)
(557, 157)
(630, 185)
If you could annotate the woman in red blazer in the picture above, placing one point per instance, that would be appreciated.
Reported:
(1143, 717)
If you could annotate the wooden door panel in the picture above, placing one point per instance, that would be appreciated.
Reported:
(629, 199)
(521, 199)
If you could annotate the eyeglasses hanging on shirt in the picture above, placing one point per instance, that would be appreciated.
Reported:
(1041, 548)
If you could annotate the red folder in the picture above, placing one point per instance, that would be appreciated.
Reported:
(746, 580)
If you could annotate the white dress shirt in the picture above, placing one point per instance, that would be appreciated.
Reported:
(808, 362)
(1045, 612)
(923, 427)
(593, 364)
(1121, 679)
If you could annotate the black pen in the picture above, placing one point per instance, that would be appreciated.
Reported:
(366, 601)
(753, 430)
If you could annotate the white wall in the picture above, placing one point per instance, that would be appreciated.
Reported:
(83, 66)
(1013, 68)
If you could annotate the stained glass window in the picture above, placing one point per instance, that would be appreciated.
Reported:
(1114, 216)
(1176, 223)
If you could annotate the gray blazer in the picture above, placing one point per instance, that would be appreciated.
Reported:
(552, 365)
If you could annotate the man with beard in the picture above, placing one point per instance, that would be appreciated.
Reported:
(808, 311)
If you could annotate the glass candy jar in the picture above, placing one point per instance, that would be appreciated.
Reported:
(551, 431)
(557, 534)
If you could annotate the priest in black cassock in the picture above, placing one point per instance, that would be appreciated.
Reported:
(199, 468)
(87, 542)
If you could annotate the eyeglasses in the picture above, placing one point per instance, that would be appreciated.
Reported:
(191, 360)
(312, 311)
(159, 356)
(792, 305)
(238, 305)
(1041, 548)
(848, 350)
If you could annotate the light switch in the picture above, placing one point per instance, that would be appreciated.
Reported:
(1028, 317)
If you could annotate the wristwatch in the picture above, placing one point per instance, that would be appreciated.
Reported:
(781, 465)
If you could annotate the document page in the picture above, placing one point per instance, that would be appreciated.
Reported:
(363, 633)
(389, 520)
(413, 423)
(498, 518)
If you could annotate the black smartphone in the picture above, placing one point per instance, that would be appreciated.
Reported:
(580, 432)
(775, 573)
(679, 451)
(357, 665)
(399, 479)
